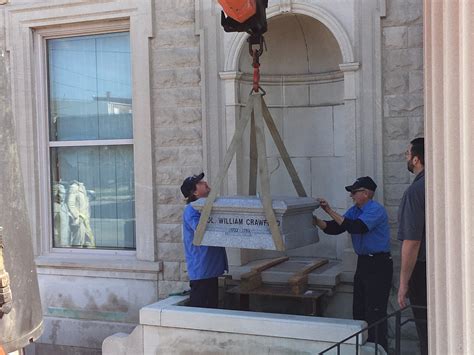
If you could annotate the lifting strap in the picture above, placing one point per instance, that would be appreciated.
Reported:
(257, 112)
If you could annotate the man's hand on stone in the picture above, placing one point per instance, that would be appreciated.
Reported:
(324, 205)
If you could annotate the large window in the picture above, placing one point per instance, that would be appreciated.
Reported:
(91, 141)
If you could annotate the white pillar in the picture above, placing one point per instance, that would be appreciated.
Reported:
(449, 129)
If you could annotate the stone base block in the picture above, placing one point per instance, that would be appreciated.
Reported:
(240, 222)
(167, 327)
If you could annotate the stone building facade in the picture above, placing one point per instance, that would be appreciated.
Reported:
(403, 113)
(189, 82)
(402, 94)
(177, 110)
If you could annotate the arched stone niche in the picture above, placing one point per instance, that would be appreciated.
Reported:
(305, 94)
(296, 45)
(304, 86)
(315, 88)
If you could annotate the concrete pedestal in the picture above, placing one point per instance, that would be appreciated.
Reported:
(169, 327)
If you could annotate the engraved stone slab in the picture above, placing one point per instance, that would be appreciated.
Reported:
(240, 222)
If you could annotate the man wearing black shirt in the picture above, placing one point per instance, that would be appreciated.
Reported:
(412, 233)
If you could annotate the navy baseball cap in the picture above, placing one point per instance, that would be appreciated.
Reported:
(189, 184)
(365, 182)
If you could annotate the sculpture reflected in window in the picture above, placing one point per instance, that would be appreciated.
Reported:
(93, 197)
(71, 216)
(61, 217)
(78, 205)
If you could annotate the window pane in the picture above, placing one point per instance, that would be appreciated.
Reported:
(93, 197)
(90, 96)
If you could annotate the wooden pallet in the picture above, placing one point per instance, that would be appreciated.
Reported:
(310, 300)
(253, 279)
(251, 284)
(299, 281)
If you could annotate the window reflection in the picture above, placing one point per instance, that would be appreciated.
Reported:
(92, 186)
(93, 197)
(90, 87)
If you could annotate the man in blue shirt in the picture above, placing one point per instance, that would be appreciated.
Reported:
(367, 222)
(204, 263)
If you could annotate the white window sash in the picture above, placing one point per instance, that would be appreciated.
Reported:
(88, 143)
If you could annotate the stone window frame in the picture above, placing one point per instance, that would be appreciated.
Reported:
(28, 27)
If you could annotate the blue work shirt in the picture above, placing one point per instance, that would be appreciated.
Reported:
(203, 262)
(377, 239)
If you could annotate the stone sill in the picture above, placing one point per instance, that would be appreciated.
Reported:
(171, 313)
(108, 266)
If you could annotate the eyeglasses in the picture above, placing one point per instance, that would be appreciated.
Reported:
(353, 192)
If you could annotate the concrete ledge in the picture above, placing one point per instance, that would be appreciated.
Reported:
(168, 313)
(151, 314)
(107, 266)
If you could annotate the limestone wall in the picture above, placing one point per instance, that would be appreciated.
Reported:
(402, 83)
(177, 135)
(402, 79)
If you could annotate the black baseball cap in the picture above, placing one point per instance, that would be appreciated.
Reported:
(365, 182)
(189, 184)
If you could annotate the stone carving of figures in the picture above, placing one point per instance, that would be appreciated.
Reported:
(78, 204)
(62, 233)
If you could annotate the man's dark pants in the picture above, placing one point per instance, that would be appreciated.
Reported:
(204, 293)
(372, 283)
(418, 297)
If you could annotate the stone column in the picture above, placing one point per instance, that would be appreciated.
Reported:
(449, 129)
